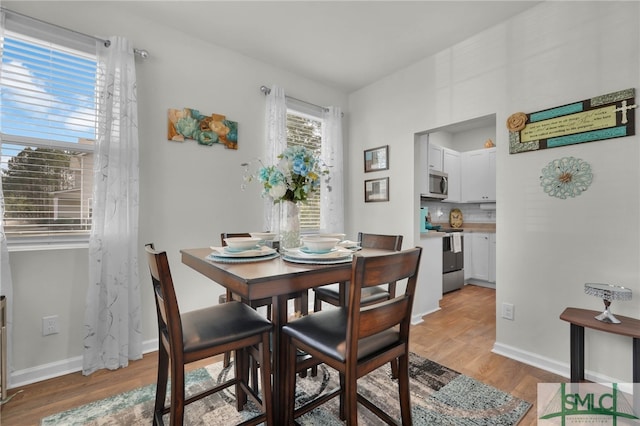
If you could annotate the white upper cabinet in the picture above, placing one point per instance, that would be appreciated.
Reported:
(435, 157)
(479, 176)
(451, 163)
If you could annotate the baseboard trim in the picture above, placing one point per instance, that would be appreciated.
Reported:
(59, 368)
(39, 373)
(560, 368)
(533, 359)
(417, 319)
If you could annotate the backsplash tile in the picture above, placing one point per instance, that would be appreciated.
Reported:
(471, 212)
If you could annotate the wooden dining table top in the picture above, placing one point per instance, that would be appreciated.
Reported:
(268, 278)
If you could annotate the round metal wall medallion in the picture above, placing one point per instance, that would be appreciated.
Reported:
(566, 177)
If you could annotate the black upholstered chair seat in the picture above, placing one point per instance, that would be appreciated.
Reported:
(220, 324)
(326, 331)
(370, 295)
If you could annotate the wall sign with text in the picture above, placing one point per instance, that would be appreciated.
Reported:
(603, 117)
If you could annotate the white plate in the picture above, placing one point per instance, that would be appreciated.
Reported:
(223, 259)
(257, 252)
(338, 253)
(307, 250)
(316, 261)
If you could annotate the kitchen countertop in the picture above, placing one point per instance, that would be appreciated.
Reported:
(432, 234)
(467, 227)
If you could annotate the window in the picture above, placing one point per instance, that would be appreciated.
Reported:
(47, 131)
(305, 130)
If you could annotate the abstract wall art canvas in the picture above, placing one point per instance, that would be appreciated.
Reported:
(189, 123)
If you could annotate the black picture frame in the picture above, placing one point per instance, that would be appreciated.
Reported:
(376, 159)
(376, 190)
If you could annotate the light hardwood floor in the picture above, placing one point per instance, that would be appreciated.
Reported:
(459, 336)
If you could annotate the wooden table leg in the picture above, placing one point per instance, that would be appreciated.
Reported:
(577, 353)
(636, 360)
(279, 349)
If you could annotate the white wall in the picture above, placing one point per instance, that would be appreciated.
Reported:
(556, 53)
(189, 193)
(551, 55)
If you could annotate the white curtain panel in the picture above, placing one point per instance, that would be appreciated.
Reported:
(6, 283)
(332, 191)
(112, 317)
(275, 144)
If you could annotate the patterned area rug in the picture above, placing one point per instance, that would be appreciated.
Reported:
(439, 396)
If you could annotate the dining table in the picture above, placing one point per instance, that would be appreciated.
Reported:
(275, 278)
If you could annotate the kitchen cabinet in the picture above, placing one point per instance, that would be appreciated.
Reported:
(479, 175)
(435, 157)
(451, 162)
(492, 258)
(480, 256)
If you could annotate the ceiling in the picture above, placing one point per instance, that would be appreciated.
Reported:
(342, 44)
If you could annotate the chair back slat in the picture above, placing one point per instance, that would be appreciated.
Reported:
(384, 269)
(377, 318)
(382, 242)
(375, 270)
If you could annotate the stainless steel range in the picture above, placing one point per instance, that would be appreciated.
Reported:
(452, 260)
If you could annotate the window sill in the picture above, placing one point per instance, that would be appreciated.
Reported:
(18, 246)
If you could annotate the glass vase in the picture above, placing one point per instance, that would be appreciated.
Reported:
(289, 225)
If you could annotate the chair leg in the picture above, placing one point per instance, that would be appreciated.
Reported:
(265, 362)
(242, 374)
(394, 368)
(228, 297)
(317, 304)
(161, 385)
(342, 397)
(254, 373)
(403, 389)
(351, 398)
(177, 394)
(304, 302)
(317, 307)
(290, 394)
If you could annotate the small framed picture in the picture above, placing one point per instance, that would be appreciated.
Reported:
(376, 190)
(376, 159)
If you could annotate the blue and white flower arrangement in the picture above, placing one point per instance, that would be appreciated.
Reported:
(295, 177)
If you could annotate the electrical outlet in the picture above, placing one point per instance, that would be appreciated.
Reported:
(50, 325)
(507, 311)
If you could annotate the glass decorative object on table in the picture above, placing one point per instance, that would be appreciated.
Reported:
(289, 225)
(607, 293)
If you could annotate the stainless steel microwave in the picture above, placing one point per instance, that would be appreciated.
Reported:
(438, 185)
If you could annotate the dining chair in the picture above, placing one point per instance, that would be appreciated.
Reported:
(331, 293)
(192, 336)
(356, 339)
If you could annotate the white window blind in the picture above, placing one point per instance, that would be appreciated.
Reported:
(306, 131)
(47, 131)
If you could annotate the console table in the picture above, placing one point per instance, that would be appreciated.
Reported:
(581, 318)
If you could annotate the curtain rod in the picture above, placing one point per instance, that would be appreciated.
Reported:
(266, 91)
(140, 52)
